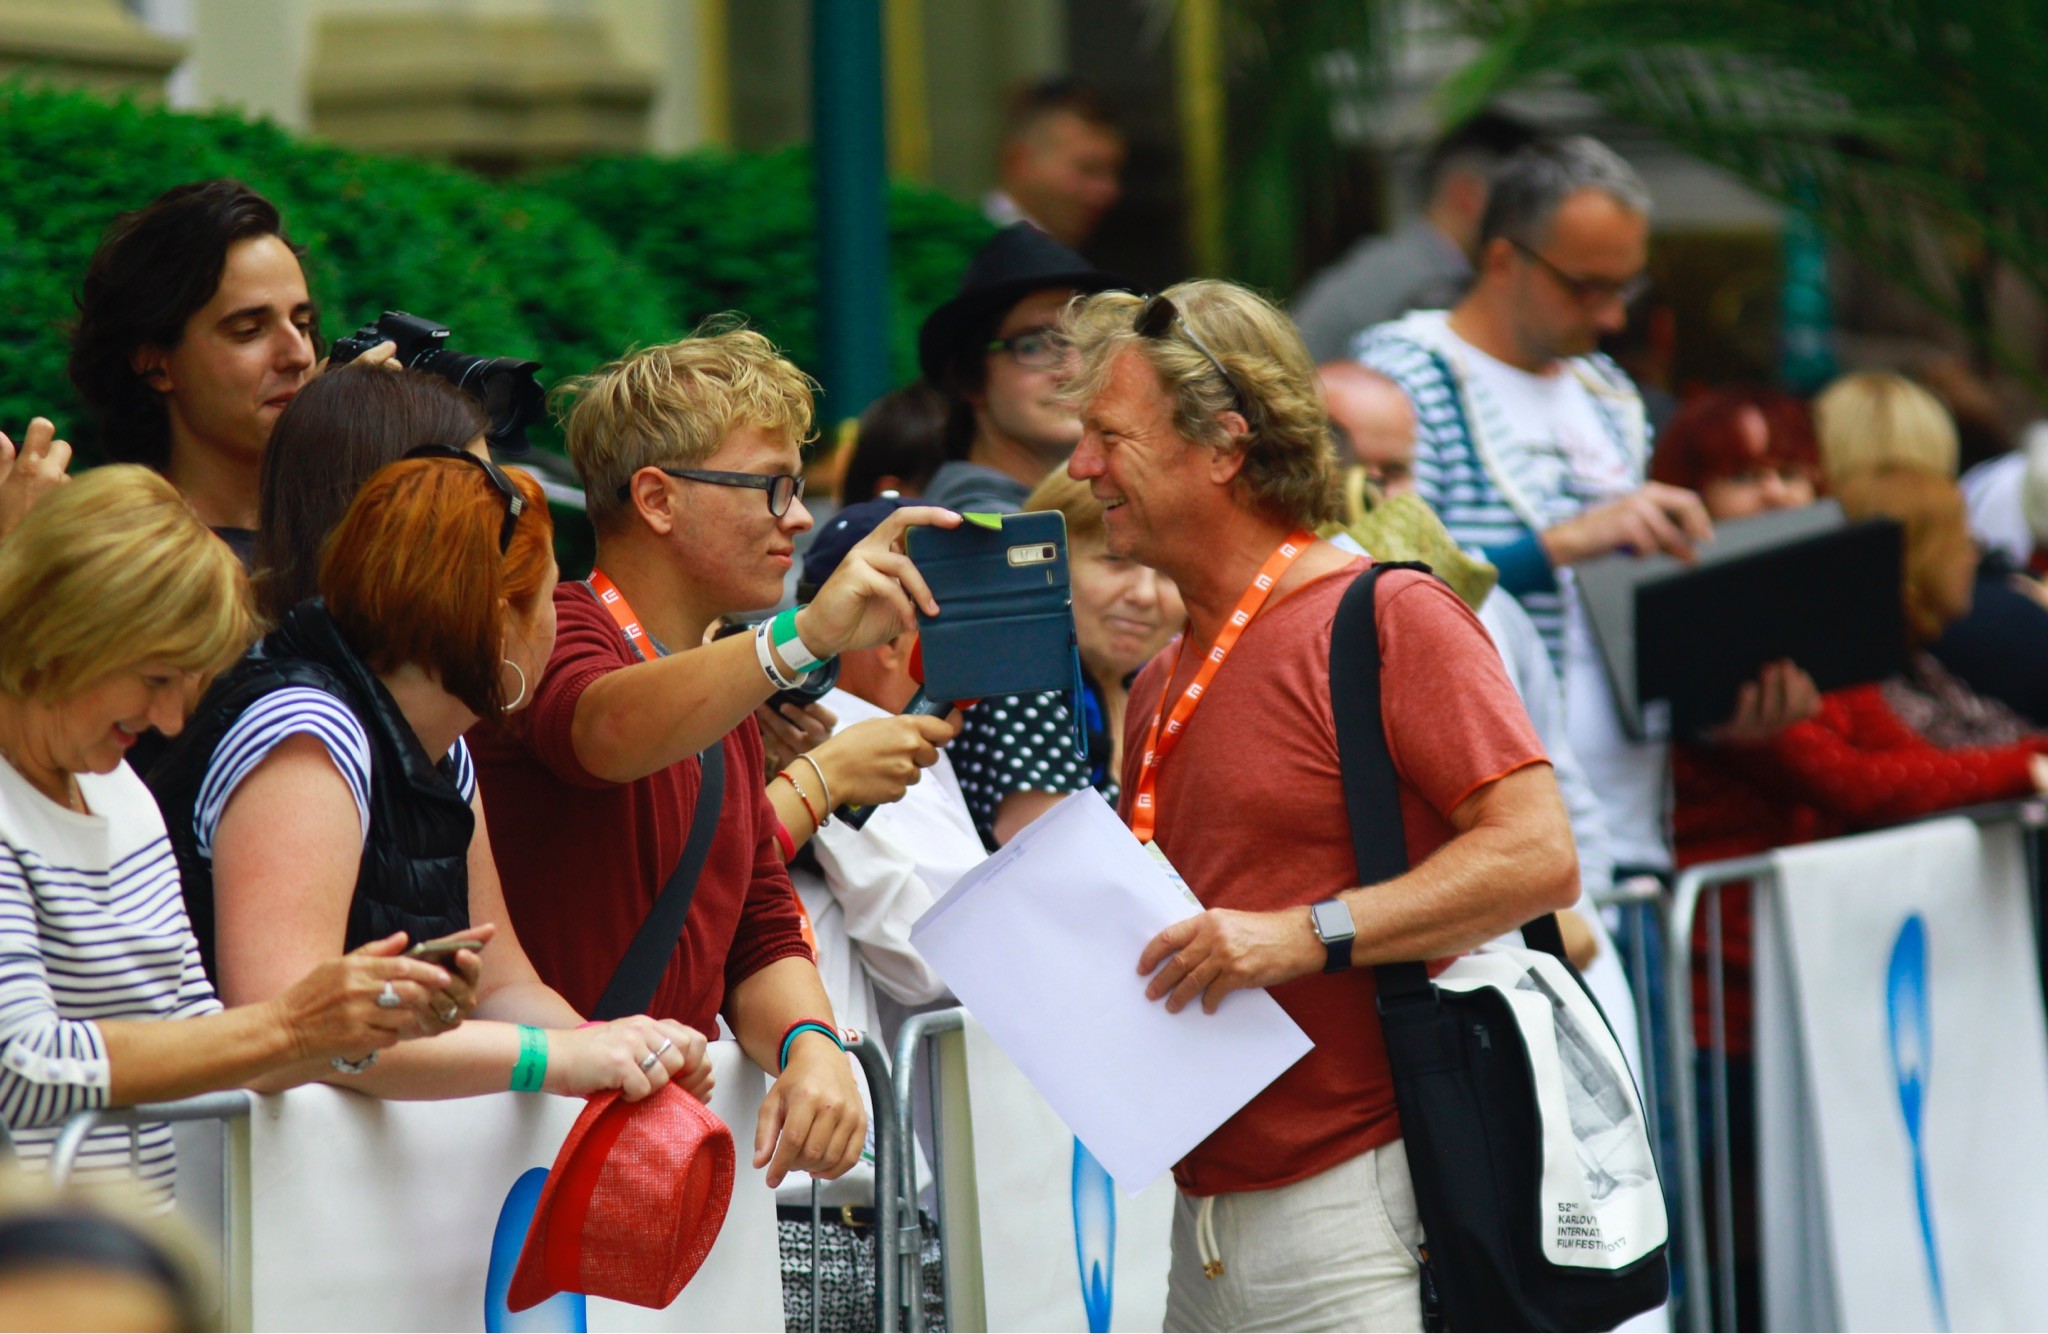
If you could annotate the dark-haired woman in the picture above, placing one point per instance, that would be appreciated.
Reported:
(322, 793)
(338, 432)
(195, 330)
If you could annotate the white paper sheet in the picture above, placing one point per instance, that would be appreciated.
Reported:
(1042, 941)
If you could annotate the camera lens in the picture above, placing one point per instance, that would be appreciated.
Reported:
(512, 399)
(820, 683)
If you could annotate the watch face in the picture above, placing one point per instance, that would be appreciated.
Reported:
(1333, 921)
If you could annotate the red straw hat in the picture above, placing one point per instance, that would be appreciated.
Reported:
(632, 1204)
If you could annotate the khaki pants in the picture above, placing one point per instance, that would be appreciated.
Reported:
(1336, 1251)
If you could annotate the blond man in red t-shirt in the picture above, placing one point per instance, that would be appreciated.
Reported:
(689, 454)
(1206, 439)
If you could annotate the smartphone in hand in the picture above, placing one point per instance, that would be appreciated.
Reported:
(444, 948)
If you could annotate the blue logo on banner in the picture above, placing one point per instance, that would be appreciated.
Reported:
(1912, 1061)
(1094, 1237)
(564, 1312)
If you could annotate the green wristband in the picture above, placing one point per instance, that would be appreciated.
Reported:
(790, 644)
(532, 1066)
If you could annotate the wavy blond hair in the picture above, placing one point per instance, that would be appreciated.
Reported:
(1869, 420)
(112, 571)
(1289, 470)
(675, 404)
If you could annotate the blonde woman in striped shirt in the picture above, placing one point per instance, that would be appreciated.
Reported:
(118, 606)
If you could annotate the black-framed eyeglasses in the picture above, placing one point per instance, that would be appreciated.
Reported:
(1157, 319)
(1589, 291)
(1033, 349)
(515, 504)
(783, 488)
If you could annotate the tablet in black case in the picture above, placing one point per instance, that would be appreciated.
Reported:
(1006, 613)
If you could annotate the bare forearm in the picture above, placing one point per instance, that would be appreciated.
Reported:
(528, 1001)
(642, 719)
(1487, 881)
(766, 1004)
(790, 809)
(163, 1060)
(474, 1059)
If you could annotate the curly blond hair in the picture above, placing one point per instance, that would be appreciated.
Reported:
(674, 404)
(1289, 469)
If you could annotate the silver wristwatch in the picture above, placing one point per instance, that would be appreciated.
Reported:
(1333, 926)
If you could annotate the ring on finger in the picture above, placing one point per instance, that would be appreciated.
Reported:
(387, 999)
(653, 1058)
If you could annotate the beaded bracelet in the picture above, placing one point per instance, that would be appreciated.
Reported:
(801, 1027)
(801, 796)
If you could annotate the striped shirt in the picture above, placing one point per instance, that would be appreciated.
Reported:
(92, 927)
(298, 710)
(1495, 478)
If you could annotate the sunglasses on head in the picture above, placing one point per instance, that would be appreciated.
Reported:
(1157, 319)
(515, 503)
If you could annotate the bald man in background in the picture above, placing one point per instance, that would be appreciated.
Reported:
(1375, 420)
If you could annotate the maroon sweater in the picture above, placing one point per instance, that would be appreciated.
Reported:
(583, 859)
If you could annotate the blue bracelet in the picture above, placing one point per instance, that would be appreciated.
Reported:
(805, 1026)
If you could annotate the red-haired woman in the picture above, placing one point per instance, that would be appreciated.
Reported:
(322, 795)
(1874, 754)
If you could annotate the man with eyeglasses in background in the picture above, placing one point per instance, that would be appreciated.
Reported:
(1533, 449)
(993, 351)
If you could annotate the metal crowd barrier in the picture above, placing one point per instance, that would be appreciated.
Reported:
(900, 1233)
(235, 1106)
(1709, 1270)
(230, 1227)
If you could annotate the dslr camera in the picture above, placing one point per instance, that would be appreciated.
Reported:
(512, 399)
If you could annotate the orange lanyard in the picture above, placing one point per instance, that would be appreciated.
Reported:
(1144, 811)
(615, 602)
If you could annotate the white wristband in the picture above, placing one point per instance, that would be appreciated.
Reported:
(766, 654)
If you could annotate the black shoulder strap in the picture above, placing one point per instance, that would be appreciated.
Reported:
(631, 989)
(1372, 791)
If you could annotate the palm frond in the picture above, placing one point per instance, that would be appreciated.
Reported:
(1907, 128)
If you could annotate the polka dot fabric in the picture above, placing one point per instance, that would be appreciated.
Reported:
(1017, 743)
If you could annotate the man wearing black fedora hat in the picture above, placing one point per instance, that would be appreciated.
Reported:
(993, 352)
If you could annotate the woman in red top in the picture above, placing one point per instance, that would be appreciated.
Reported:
(1875, 754)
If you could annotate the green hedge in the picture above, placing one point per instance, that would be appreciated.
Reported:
(569, 268)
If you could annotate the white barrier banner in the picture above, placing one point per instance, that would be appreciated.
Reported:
(1060, 1247)
(1925, 1056)
(369, 1215)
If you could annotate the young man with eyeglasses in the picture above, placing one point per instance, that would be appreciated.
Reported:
(689, 455)
(995, 353)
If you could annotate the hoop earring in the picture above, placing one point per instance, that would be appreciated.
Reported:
(520, 698)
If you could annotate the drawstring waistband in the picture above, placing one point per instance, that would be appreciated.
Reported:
(1206, 1249)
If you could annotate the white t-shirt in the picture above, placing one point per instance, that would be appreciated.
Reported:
(1632, 778)
(878, 881)
(92, 927)
(1994, 491)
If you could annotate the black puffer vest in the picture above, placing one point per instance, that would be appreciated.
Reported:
(414, 875)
